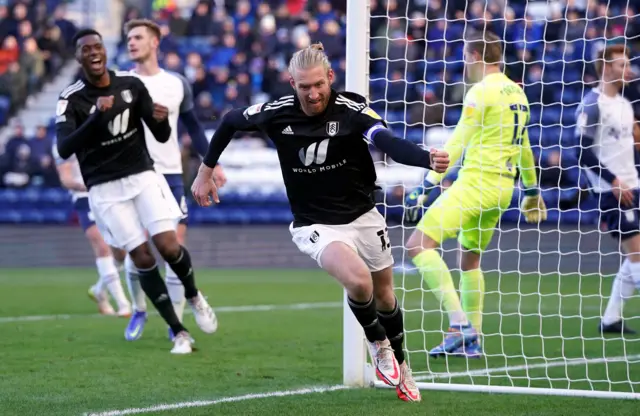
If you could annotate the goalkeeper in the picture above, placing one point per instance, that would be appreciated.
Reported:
(492, 133)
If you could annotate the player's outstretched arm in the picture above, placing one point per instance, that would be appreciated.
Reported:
(406, 152)
(204, 189)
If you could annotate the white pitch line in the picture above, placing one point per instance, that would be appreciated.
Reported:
(525, 367)
(205, 403)
(221, 309)
(323, 389)
(507, 308)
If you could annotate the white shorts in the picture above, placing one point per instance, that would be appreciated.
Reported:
(126, 207)
(367, 236)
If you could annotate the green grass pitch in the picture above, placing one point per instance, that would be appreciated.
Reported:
(60, 358)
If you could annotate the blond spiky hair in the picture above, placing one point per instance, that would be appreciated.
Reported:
(309, 57)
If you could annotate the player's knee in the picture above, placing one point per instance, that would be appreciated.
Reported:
(469, 260)
(118, 254)
(358, 282)
(142, 257)
(100, 248)
(167, 245)
(383, 289)
(419, 242)
(359, 289)
(181, 232)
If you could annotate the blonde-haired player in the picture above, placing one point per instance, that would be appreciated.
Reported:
(322, 137)
(492, 132)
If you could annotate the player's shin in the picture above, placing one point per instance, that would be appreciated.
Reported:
(176, 291)
(204, 314)
(438, 277)
(183, 270)
(387, 367)
(472, 294)
(133, 283)
(366, 315)
(392, 321)
(155, 288)
(110, 278)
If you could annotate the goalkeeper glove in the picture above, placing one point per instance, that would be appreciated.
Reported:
(533, 207)
(413, 203)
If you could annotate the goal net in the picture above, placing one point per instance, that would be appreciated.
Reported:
(546, 285)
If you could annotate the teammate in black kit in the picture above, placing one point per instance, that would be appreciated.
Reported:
(322, 138)
(99, 119)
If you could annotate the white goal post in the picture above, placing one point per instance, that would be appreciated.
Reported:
(539, 344)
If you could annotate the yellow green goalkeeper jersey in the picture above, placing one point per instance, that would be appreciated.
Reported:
(492, 132)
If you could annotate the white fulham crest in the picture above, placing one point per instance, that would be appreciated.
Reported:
(332, 128)
(61, 107)
(126, 96)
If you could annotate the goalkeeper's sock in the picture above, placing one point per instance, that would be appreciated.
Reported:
(365, 313)
(623, 288)
(438, 277)
(394, 327)
(472, 294)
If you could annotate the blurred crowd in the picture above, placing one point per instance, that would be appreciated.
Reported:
(235, 53)
(35, 40)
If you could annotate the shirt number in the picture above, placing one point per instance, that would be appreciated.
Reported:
(518, 130)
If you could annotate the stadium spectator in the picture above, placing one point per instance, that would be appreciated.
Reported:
(9, 53)
(236, 54)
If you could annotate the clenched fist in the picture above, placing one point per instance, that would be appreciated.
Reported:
(439, 160)
(104, 103)
(160, 112)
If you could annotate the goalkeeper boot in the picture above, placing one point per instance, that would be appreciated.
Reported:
(387, 367)
(407, 390)
(205, 317)
(457, 336)
(134, 330)
(102, 300)
(473, 350)
(615, 328)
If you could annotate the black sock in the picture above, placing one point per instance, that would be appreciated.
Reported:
(394, 328)
(184, 270)
(366, 314)
(155, 288)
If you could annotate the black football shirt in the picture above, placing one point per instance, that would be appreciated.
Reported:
(109, 145)
(325, 160)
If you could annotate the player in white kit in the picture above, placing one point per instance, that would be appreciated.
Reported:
(173, 91)
(106, 257)
(605, 123)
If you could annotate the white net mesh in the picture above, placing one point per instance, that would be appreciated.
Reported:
(546, 286)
